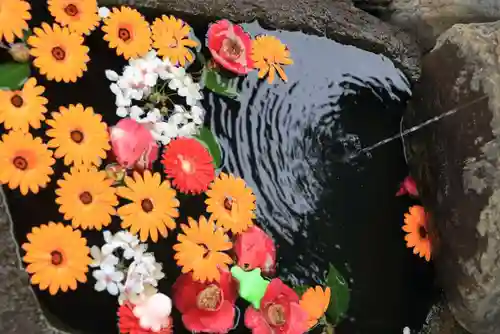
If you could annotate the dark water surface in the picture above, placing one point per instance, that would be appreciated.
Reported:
(288, 141)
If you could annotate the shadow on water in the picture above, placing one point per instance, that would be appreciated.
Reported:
(288, 141)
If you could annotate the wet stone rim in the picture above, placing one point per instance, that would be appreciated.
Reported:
(19, 309)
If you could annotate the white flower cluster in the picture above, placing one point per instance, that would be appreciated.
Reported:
(132, 282)
(140, 79)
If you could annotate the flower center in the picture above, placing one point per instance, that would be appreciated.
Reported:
(422, 231)
(276, 315)
(77, 136)
(58, 53)
(228, 204)
(20, 163)
(210, 298)
(17, 101)
(147, 205)
(232, 48)
(86, 197)
(173, 43)
(124, 34)
(71, 10)
(186, 165)
(56, 258)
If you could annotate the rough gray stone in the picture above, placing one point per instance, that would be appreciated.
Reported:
(338, 19)
(456, 162)
(427, 19)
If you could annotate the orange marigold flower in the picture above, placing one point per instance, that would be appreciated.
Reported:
(315, 302)
(418, 235)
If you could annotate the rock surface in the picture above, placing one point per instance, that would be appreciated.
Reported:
(427, 19)
(456, 162)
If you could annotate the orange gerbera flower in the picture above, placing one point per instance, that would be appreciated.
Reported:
(231, 202)
(418, 235)
(269, 55)
(79, 15)
(21, 108)
(315, 302)
(200, 250)
(13, 17)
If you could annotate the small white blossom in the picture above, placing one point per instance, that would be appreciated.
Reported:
(104, 12)
(121, 112)
(406, 330)
(191, 91)
(111, 75)
(107, 278)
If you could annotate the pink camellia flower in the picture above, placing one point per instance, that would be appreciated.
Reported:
(230, 46)
(408, 186)
(206, 307)
(133, 145)
(279, 313)
(255, 249)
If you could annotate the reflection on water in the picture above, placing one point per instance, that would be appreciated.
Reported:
(289, 142)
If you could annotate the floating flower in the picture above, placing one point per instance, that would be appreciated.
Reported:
(269, 55)
(230, 46)
(408, 186)
(79, 135)
(153, 206)
(133, 145)
(315, 302)
(206, 307)
(25, 162)
(171, 38)
(418, 236)
(189, 164)
(108, 278)
(79, 15)
(59, 54)
(20, 109)
(87, 198)
(201, 250)
(128, 323)
(126, 30)
(279, 313)
(154, 312)
(231, 203)
(13, 17)
(57, 256)
(255, 249)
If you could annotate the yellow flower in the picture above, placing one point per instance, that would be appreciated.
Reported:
(315, 302)
(79, 135)
(13, 17)
(201, 250)
(269, 54)
(87, 198)
(57, 256)
(21, 108)
(128, 32)
(416, 227)
(25, 162)
(79, 15)
(153, 208)
(59, 54)
(231, 203)
(171, 38)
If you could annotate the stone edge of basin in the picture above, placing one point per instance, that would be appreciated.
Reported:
(339, 20)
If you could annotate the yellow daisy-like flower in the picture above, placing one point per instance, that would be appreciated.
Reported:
(13, 17)
(79, 135)
(201, 250)
(21, 108)
(231, 202)
(128, 32)
(153, 208)
(87, 198)
(171, 38)
(269, 55)
(57, 256)
(79, 15)
(315, 302)
(25, 162)
(59, 54)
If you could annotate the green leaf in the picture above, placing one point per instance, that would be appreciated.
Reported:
(13, 75)
(301, 289)
(207, 138)
(220, 84)
(340, 297)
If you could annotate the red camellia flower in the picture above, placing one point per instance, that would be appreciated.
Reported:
(280, 312)
(189, 164)
(408, 186)
(129, 324)
(206, 307)
(230, 46)
(255, 249)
